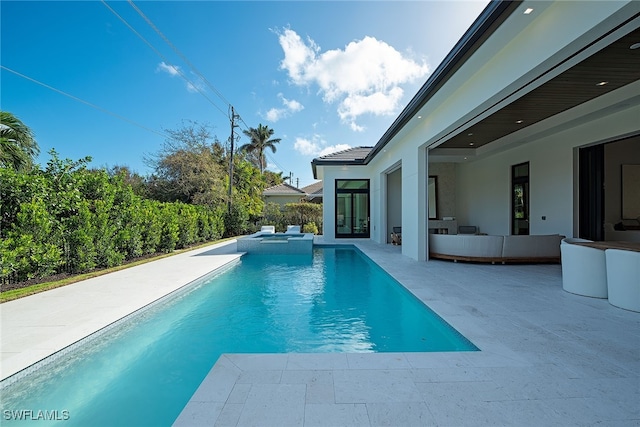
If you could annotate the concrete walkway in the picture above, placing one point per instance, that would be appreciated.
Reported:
(39, 325)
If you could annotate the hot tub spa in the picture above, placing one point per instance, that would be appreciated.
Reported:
(276, 243)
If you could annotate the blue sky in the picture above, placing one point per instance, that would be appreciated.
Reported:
(324, 75)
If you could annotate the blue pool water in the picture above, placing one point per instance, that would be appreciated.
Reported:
(145, 371)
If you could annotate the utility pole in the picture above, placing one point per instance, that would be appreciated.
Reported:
(297, 182)
(233, 137)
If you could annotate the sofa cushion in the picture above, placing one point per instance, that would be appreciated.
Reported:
(532, 246)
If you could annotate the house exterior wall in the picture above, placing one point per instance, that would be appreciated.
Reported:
(283, 200)
(330, 174)
(525, 52)
(483, 186)
(394, 202)
(446, 194)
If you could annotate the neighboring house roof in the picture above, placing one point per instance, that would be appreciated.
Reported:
(310, 192)
(283, 189)
(314, 190)
(352, 156)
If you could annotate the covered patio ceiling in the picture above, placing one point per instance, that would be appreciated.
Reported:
(614, 68)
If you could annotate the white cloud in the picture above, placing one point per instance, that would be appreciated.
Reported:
(317, 146)
(172, 70)
(195, 85)
(306, 147)
(364, 78)
(290, 106)
(274, 114)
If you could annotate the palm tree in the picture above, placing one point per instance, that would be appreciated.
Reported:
(18, 148)
(260, 140)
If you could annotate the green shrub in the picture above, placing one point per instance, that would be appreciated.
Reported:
(236, 221)
(152, 226)
(310, 227)
(170, 233)
(187, 225)
(67, 218)
(82, 254)
(30, 249)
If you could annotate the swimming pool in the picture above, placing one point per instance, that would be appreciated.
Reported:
(144, 371)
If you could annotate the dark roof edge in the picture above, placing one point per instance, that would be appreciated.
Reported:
(321, 161)
(487, 22)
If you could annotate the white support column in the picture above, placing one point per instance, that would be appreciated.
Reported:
(425, 190)
(414, 204)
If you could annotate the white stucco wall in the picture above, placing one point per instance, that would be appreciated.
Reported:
(394, 202)
(283, 200)
(483, 186)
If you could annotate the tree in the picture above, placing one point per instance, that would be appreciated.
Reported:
(137, 182)
(18, 147)
(189, 167)
(260, 140)
(273, 178)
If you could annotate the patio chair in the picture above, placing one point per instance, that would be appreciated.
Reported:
(623, 278)
(584, 270)
(293, 229)
(396, 236)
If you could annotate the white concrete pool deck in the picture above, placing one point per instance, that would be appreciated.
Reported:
(547, 357)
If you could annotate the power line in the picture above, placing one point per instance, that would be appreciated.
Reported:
(233, 115)
(178, 52)
(75, 98)
(164, 59)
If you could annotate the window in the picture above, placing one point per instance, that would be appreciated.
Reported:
(520, 199)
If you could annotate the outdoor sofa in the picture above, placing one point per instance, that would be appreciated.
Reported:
(491, 248)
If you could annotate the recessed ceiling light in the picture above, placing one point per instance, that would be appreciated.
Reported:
(528, 11)
(635, 46)
(471, 143)
(470, 134)
(419, 117)
(601, 83)
(465, 158)
(519, 121)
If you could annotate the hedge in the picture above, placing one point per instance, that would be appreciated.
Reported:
(68, 219)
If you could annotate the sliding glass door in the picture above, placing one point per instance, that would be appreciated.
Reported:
(352, 208)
